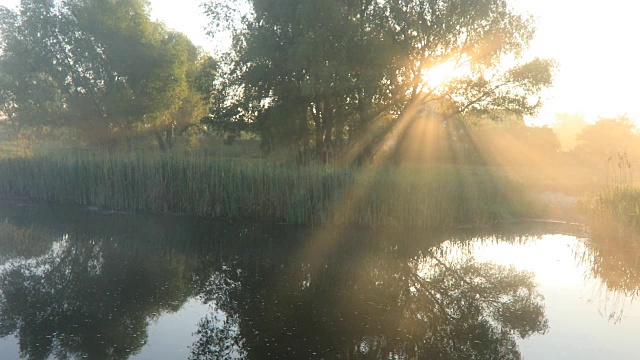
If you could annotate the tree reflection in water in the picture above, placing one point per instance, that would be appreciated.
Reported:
(90, 293)
(94, 292)
(86, 299)
(370, 302)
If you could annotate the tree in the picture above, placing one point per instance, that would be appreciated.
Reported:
(567, 127)
(516, 144)
(609, 142)
(314, 73)
(102, 67)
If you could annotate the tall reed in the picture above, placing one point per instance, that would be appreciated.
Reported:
(614, 213)
(616, 210)
(405, 196)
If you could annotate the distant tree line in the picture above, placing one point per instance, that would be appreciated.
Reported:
(610, 142)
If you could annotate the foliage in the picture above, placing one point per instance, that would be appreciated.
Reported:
(99, 66)
(608, 138)
(517, 145)
(618, 206)
(315, 73)
(567, 126)
(613, 218)
(411, 196)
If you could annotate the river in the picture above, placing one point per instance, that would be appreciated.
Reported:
(80, 283)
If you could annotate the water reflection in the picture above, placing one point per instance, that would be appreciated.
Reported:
(88, 298)
(19, 242)
(613, 258)
(90, 285)
(372, 302)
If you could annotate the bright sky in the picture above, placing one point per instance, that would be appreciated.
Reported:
(592, 41)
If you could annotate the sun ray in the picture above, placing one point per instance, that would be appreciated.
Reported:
(443, 73)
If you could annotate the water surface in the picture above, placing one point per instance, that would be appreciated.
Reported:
(76, 283)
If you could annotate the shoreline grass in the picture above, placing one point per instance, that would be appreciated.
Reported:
(614, 214)
(423, 197)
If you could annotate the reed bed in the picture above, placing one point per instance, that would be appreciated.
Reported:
(404, 197)
(615, 212)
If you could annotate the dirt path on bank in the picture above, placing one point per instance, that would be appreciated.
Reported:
(557, 206)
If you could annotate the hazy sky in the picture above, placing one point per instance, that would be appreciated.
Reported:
(591, 40)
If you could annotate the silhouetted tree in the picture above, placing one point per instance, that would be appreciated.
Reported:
(606, 142)
(312, 74)
(567, 127)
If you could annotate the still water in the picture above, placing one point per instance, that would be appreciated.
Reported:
(76, 283)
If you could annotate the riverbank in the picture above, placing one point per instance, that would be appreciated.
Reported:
(406, 196)
(614, 214)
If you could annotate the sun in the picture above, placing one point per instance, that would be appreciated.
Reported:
(439, 74)
(443, 73)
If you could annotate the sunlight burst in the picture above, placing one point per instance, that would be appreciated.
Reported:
(439, 74)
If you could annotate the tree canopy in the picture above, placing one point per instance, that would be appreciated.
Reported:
(102, 67)
(608, 136)
(312, 74)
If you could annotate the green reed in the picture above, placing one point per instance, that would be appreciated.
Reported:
(614, 213)
(423, 197)
(616, 208)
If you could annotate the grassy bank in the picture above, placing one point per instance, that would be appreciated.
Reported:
(615, 213)
(408, 196)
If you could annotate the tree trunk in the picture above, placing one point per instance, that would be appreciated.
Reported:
(305, 138)
(318, 131)
(328, 123)
(169, 139)
(363, 113)
(339, 137)
(160, 140)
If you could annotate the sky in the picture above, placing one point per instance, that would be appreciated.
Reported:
(593, 42)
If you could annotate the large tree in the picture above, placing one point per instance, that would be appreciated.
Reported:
(313, 73)
(102, 67)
